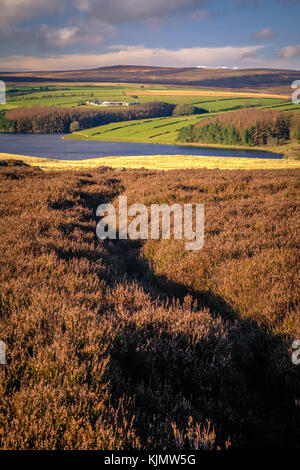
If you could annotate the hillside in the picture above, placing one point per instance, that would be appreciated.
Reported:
(270, 80)
(126, 345)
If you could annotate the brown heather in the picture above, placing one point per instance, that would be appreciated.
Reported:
(129, 345)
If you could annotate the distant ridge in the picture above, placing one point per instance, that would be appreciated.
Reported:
(263, 80)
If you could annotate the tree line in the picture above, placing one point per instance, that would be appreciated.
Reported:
(6, 125)
(52, 119)
(245, 127)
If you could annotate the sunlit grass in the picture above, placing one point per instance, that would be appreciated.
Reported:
(159, 162)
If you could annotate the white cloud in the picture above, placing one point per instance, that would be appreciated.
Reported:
(265, 34)
(92, 33)
(137, 55)
(42, 39)
(62, 36)
(289, 51)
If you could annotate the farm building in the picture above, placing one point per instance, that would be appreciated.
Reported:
(111, 103)
(95, 102)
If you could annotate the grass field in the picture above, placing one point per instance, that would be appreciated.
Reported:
(160, 130)
(197, 92)
(72, 95)
(157, 130)
(158, 162)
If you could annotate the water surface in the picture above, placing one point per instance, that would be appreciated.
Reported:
(54, 146)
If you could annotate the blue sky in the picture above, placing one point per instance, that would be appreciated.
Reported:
(73, 34)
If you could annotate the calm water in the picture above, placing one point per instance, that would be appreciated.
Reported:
(53, 146)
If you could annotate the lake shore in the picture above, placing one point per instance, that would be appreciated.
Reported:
(157, 162)
(81, 136)
(289, 150)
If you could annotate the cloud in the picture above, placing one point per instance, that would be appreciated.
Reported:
(116, 11)
(107, 11)
(17, 11)
(92, 33)
(73, 26)
(265, 34)
(137, 55)
(248, 55)
(289, 51)
(82, 22)
(44, 39)
(200, 15)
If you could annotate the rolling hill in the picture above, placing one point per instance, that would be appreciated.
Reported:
(262, 80)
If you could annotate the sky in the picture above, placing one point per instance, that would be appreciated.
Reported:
(83, 34)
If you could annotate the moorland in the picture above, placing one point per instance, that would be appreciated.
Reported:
(142, 345)
(121, 344)
(262, 80)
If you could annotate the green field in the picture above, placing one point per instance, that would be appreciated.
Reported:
(60, 95)
(156, 130)
(74, 95)
(162, 130)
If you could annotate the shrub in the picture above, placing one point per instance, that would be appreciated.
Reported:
(129, 345)
(184, 109)
(74, 126)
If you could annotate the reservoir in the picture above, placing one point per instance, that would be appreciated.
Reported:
(55, 147)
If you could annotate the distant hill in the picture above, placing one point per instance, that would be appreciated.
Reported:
(262, 80)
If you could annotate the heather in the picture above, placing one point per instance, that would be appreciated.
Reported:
(143, 345)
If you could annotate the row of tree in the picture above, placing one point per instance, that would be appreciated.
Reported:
(53, 119)
(261, 127)
(184, 109)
